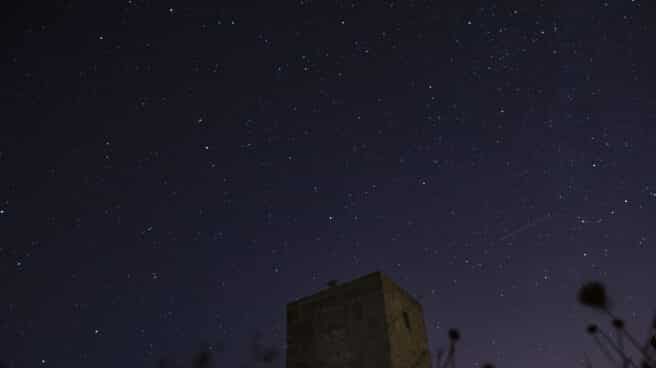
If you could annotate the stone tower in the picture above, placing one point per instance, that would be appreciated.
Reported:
(369, 322)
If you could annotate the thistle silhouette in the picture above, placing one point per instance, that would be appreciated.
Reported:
(449, 360)
(593, 295)
(454, 335)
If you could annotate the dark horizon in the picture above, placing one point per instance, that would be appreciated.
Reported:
(173, 174)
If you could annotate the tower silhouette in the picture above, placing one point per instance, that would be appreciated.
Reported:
(369, 322)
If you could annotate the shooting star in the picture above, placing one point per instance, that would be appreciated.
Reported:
(525, 227)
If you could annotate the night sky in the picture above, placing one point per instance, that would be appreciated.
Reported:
(173, 173)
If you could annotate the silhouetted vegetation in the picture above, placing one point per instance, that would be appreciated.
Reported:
(450, 359)
(454, 335)
(202, 358)
(262, 353)
(593, 295)
(259, 353)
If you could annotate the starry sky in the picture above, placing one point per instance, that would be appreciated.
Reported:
(173, 173)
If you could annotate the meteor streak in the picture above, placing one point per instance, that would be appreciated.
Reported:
(525, 227)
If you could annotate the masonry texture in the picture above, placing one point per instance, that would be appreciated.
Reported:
(369, 322)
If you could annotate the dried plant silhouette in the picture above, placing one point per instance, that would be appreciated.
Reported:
(262, 353)
(450, 359)
(202, 358)
(593, 295)
(593, 330)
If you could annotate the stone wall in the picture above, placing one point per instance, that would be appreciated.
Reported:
(406, 328)
(359, 324)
